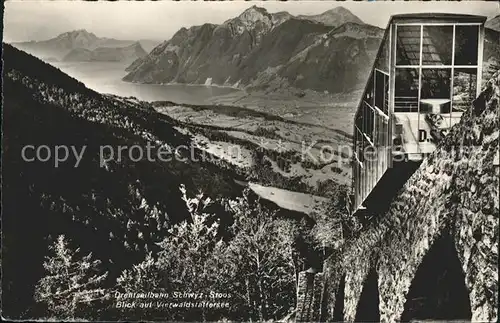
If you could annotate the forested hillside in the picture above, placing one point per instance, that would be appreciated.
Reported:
(117, 211)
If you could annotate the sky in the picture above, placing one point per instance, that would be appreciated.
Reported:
(38, 20)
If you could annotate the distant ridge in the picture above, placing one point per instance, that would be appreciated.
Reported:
(107, 54)
(58, 47)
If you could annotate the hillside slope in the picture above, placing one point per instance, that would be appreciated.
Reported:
(262, 50)
(117, 209)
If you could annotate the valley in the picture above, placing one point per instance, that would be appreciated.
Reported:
(309, 152)
(279, 139)
(289, 122)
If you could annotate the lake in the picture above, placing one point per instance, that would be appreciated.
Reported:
(107, 78)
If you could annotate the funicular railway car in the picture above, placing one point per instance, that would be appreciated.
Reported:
(426, 74)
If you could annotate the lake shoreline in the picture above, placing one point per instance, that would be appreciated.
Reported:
(193, 85)
(289, 103)
(108, 78)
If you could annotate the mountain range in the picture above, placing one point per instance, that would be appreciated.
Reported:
(58, 47)
(330, 52)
